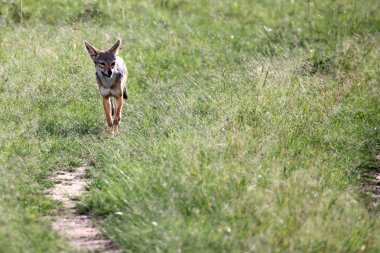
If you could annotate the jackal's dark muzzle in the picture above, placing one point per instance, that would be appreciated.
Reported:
(108, 74)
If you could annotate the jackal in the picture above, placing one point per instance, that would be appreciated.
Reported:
(111, 76)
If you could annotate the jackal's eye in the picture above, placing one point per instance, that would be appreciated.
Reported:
(101, 64)
(113, 64)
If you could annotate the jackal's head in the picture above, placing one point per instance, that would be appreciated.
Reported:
(105, 62)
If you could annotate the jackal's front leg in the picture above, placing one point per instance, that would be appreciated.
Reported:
(119, 105)
(107, 110)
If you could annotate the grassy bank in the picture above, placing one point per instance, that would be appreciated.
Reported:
(246, 130)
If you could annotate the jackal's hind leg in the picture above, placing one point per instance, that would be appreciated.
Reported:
(113, 107)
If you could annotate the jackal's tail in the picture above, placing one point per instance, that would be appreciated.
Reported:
(125, 93)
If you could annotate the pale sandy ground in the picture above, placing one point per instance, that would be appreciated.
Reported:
(77, 229)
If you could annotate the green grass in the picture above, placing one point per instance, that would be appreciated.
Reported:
(250, 125)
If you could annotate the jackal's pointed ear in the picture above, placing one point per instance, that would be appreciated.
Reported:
(91, 50)
(115, 47)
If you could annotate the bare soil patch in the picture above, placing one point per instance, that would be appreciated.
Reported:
(77, 229)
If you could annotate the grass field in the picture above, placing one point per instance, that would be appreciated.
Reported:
(250, 126)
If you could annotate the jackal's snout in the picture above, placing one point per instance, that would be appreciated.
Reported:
(107, 73)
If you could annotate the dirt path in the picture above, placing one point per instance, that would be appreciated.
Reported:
(79, 231)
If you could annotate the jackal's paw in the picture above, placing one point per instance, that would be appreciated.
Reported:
(110, 130)
(115, 129)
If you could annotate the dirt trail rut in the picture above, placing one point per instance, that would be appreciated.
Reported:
(77, 229)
